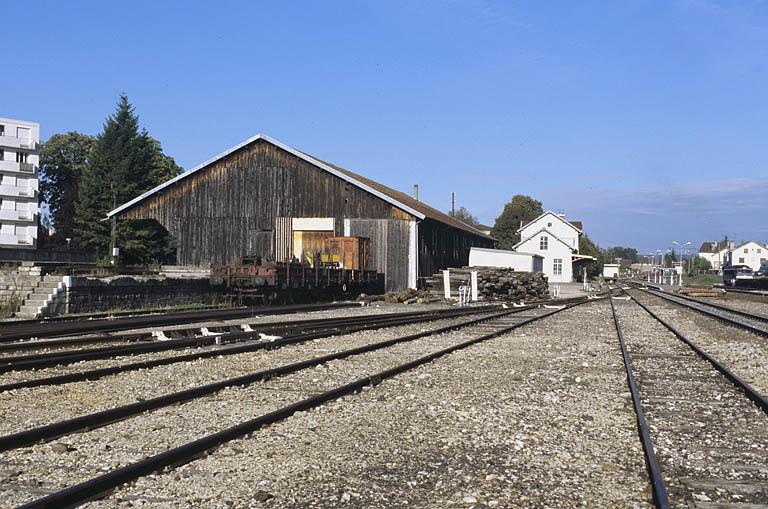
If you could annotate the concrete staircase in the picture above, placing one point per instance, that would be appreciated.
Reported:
(18, 283)
(42, 295)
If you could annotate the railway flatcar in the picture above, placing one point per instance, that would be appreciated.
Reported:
(339, 270)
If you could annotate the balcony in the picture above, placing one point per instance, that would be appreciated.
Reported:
(14, 142)
(23, 192)
(21, 240)
(28, 168)
(17, 215)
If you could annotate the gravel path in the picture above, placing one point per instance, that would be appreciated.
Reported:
(711, 440)
(742, 351)
(538, 418)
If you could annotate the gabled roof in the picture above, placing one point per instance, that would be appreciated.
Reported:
(714, 247)
(423, 208)
(543, 229)
(576, 225)
(418, 209)
(750, 242)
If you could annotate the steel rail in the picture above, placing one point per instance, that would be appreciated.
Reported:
(103, 484)
(748, 390)
(660, 496)
(43, 360)
(95, 374)
(115, 314)
(751, 316)
(9, 332)
(223, 337)
(221, 328)
(102, 418)
(731, 321)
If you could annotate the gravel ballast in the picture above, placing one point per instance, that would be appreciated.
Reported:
(742, 351)
(540, 417)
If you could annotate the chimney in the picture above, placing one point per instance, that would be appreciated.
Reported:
(416, 191)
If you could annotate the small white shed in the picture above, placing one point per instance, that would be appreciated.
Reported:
(523, 262)
(611, 271)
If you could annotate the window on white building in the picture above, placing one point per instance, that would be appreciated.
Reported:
(2, 130)
(2, 154)
(543, 242)
(557, 266)
(21, 157)
(746, 250)
(741, 260)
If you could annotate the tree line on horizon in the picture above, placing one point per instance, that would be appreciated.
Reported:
(83, 177)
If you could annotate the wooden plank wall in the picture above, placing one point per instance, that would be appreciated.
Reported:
(442, 246)
(389, 248)
(229, 209)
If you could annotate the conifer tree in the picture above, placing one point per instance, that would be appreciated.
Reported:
(124, 163)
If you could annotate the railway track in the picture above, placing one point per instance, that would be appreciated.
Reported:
(241, 343)
(24, 330)
(749, 321)
(704, 430)
(281, 391)
(218, 336)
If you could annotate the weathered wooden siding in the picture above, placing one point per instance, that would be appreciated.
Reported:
(442, 246)
(389, 248)
(231, 208)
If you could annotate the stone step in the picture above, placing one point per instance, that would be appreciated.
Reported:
(38, 297)
(48, 284)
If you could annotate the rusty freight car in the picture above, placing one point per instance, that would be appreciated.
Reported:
(264, 198)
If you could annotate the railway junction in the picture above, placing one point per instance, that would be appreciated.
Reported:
(635, 397)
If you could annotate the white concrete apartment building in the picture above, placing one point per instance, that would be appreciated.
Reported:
(557, 241)
(19, 159)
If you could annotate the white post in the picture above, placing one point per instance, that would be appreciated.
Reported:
(473, 280)
(446, 284)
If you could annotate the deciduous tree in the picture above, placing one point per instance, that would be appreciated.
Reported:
(63, 159)
(521, 209)
(465, 216)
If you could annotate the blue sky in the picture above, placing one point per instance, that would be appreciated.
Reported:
(644, 119)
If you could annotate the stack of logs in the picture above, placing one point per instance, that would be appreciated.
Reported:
(494, 284)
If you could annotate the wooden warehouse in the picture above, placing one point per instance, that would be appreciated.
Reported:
(264, 198)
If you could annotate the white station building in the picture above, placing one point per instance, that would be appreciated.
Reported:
(557, 242)
(19, 159)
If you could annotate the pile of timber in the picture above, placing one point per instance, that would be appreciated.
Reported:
(701, 292)
(494, 284)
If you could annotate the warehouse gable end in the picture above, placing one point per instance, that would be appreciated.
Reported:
(266, 199)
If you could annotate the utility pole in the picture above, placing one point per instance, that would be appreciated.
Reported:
(453, 204)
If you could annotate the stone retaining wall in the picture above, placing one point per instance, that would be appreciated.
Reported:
(88, 294)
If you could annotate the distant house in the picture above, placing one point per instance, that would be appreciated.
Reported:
(557, 241)
(751, 253)
(716, 253)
